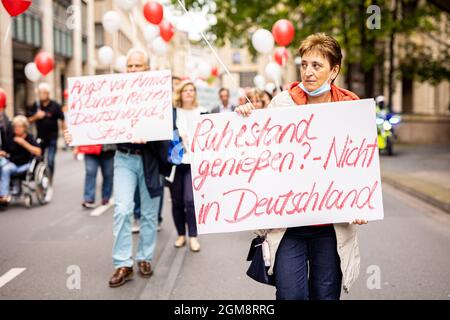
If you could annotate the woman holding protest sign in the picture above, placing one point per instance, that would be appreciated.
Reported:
(313, 262)
(187, 112)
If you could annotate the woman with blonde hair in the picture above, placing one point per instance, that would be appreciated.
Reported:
(19, 149)
(187, 113)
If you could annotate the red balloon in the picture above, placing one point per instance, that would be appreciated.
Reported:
(281, 55)
(16, 7)
(214, 71)
(283, 32)
(66, 94)
(44, 62)
(2, 98)
(153, 12)
(166, 30)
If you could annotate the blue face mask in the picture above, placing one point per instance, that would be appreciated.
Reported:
(325, 87)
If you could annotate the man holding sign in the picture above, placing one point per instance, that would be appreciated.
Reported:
(299, 174)
(128, 109)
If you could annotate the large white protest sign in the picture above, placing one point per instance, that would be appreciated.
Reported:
(117, 108)
(285, 167)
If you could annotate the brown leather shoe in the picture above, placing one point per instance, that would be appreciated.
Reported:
(120, 276)
(145, 269)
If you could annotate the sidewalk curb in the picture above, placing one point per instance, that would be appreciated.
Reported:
(433, 201)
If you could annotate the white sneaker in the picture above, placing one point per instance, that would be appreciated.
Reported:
(135, 228)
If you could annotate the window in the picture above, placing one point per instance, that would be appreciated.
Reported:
(246, 79)
(63, 37)
(236, 57)
(99, 35)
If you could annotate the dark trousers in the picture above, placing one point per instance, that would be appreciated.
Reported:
(307, 265)
(51, 147)
(183, 201)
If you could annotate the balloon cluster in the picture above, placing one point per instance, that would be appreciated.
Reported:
(263, 41)
(43, 64)
(157, 34)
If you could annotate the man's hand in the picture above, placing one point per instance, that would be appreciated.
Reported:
(39, 115)
(245, 109)
(138, 141)
(19, 140)
(2, 153)
(67, 136)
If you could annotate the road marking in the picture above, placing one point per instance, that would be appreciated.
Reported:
(11, 274)
(102, 209)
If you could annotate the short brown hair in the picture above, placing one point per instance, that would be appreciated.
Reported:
(177, 99)
(324, 44)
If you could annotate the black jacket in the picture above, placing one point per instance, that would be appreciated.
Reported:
(154, 157)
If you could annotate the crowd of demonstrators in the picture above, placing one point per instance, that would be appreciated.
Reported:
(46, 112)
(313, 262)
(18, 149)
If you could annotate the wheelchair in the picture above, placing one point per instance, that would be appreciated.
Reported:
(35, 181)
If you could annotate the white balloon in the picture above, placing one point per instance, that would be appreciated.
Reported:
(269, 87)
(199, 83)
(31, 72)
(105, 55)
(159, 46)
(259, 82)
(111, 21)
(121, 63)
(126, 4)
(204, 70)
(262, 41)
(273, 71)
(151, 32)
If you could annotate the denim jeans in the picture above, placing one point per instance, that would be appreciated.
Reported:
(307, 265)
(137, 204)
(105, 161)
(50, 146)
(7, 170)
(183, 201)
(129, 173)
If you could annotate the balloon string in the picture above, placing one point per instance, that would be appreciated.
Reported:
(8, 30)
(212, 49)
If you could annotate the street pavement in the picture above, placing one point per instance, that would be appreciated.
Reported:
(407, 253)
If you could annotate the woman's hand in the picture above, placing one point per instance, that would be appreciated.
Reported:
(67, 136)
(359, 222)
(2, 153)
(244, 109)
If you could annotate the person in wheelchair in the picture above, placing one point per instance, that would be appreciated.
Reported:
(16, 155)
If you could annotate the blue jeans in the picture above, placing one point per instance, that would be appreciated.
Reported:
(50, 146)
(105, 161)
(128, 174)
(137, 204)
(307, 251)
(7, 170)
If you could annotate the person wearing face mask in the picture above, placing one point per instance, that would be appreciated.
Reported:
(313, 262)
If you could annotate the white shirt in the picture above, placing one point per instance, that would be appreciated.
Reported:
(186, 121)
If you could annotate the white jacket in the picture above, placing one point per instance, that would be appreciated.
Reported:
(346, 236)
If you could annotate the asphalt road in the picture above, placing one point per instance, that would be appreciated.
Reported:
(43, 249)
